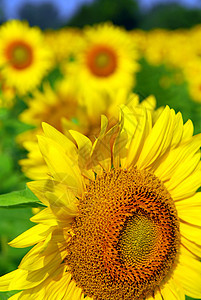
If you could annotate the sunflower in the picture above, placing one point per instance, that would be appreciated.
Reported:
(106, 60)
(51, 105)
(122, 216)
(24, 58)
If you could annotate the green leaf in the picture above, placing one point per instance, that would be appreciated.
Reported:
(189, 298)
(24, 198)
(7, 295)
(13, 223)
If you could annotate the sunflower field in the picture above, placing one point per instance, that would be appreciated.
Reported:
(100, 171)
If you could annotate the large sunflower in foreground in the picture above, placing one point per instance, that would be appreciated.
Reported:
(106, 60)
(122, 220)
(24, 57)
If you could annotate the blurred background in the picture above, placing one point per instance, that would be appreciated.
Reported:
(145, 14)
(157, 76)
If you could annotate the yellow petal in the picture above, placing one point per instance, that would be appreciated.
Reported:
(195, 200)
(37, 188)
(31, 295)
(53, 251)
(172, 291)
(120, 146)
(178, 130)
(34, 171)
(6, 279)
(84, 152)
(45, 217)
(165, 168)
(191, 246)
(61, 139)
(188, 130)
(190, 232)
(62, 168)
(34, 166)
(188, 273)
(40, 291)
(157, 296)
(130, 123)
(184, 170)
(33, 259)
(57, 287)
(159, 139)
(132, 100)
(63, 208)
(101, 151)
(104, 125)
(60, 198)
(25, 279)
(135, 125)
(141, 132)
(149, 103)
(187, 187)
(73, 292)
(32, 236)
(190, 215)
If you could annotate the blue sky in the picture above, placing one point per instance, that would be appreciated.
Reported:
(68, 7)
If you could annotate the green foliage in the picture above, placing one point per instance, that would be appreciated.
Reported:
(175, 95)
(6, 295)
(122, 13)
(18, 199)
(13, 222)
(52, 77)
(189, 298)
(11, 177)
(170, 16)
(126, 13)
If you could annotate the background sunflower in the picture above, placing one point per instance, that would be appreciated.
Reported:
(24, 57)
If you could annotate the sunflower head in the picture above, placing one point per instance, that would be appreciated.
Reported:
(122, 216)
(19, 54)
(102, 61)
(54, 105)
(106, 60)
(135, 238)
(24, 57)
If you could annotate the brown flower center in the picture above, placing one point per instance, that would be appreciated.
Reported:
(19, 55)
(125, 238)
(102, 61)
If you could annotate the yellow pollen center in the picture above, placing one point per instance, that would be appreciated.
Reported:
(138, 239)
(126, 237)
(19, 54)
(101, 61)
